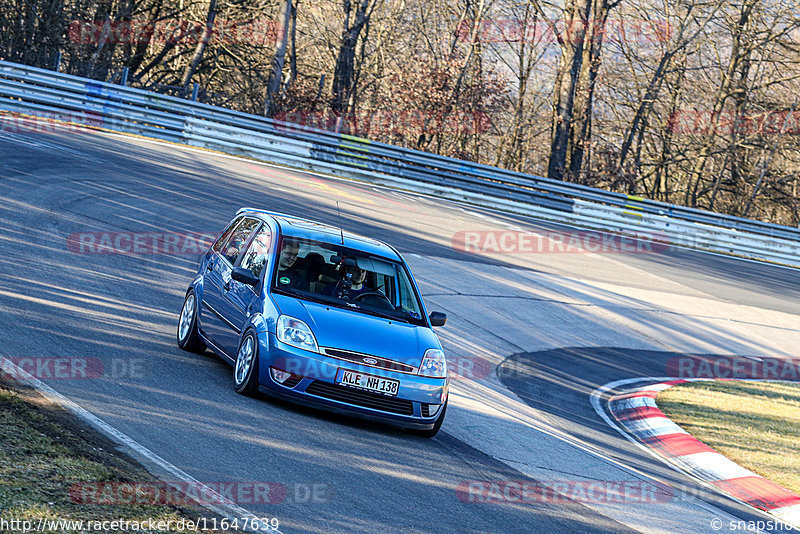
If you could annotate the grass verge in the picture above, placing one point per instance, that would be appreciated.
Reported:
(45, 451)
(755, 424)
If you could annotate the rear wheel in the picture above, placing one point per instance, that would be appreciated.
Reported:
(245, 370)
(433, 431)
(188, 337)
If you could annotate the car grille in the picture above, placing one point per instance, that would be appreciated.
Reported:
(360, 398)
(357, 357)
(292, 381)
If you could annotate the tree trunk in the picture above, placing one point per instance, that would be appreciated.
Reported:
(721, 97)
(281, 39)
(645, 105)
(344, 72)
(582, 115)
(201, 46)
(654, 86)
(567, 77)
(103, 12)
(293, 53)
(767, 163)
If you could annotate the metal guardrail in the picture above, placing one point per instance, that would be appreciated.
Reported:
(31, 90)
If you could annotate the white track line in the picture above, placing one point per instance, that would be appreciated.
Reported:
(225, 509)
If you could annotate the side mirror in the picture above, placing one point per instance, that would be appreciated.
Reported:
(437, 318)
(245, 276)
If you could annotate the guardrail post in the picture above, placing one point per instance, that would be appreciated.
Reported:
(124, 79)
(57, 65)
(195, 90)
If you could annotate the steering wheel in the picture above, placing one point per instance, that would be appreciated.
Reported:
(379, 297)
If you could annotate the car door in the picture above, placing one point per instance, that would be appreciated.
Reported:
(224, 255)
(238, 297)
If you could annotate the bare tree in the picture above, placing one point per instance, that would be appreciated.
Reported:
(575, 15)
(202, 43)
(344, 71)
(281, 40)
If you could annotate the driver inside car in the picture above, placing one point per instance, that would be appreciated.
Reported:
(353, 277)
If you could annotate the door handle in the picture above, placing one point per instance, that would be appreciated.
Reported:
(228, 285)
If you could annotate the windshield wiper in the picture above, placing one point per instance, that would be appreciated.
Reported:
(311, 296)
(377, 313)
(339, 303)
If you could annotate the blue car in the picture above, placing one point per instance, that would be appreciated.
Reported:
(321, 317)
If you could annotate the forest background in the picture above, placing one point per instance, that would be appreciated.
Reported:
(692, 102)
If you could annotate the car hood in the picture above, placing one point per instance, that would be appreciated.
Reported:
(351, 330)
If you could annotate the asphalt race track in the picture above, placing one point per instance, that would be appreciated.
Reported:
(536, 333)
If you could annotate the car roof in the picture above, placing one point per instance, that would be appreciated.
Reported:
(325, 233)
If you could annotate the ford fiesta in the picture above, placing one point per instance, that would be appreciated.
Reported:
(321, 317)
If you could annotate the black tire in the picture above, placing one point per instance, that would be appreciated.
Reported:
(245, 381)
(433, 431)
(191, 338)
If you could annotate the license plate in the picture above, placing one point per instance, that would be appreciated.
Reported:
(353, 379)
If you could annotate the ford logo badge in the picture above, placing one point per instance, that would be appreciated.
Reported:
(371, 361)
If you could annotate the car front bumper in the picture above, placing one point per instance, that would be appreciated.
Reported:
(314, 384)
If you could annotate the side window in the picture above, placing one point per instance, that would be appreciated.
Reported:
(231, 247)
(256, 256)
(407, 300)
(225, 235)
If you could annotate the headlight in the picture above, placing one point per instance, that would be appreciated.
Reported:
(433, 364)
(296, 333)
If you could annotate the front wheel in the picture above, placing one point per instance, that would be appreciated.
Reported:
(188, 337)
(245, 370)
(433, 431)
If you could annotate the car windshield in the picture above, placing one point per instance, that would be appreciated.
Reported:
(346, 278)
